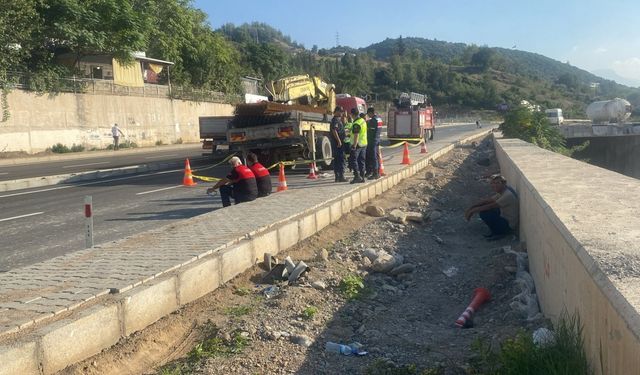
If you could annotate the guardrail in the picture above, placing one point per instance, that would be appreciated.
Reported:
(79, 85)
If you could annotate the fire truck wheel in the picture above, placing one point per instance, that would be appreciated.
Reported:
(324, 151)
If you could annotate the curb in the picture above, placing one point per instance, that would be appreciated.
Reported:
(53, 347)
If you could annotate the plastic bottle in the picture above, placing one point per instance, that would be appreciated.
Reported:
(333, 347)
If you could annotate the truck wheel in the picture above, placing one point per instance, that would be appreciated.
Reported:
(324, 151)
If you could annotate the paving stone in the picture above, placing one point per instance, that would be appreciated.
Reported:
(68, 281)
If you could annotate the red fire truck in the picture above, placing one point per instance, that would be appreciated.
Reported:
(412, 117)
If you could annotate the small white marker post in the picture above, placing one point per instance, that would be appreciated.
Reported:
(88, 214)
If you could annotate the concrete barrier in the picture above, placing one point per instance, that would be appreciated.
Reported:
(575, 219)
(122, 314)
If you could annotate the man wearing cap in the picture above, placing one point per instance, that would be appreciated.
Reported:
(499, 212)
(240, 184)
(358, 146)
(337, 141)
(374, 128)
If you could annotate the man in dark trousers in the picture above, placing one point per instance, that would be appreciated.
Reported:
(240, 184)
(500, 212)
(337, 142)
(358, 146)
(374, 128)
(263, 178)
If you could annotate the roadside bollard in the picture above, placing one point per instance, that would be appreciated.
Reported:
(88, 214)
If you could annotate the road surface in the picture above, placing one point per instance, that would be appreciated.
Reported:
(42, 223)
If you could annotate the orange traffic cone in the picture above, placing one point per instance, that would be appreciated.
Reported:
(405, 156)
(381, 168)
(282, 181)
(188, 177)
(480, 296)
(423, 148)
(312, 171)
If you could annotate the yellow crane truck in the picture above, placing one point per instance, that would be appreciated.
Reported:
(293, 124)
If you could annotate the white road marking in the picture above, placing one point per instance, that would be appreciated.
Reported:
(84, 165)
(160, 156)
(153, 191)
(88, 183)
(21, 216)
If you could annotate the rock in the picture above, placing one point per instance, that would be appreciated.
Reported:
(510, 269)
(485, 162)
(430, 175)
(403, 268)
(390, 288)
(375, 211)
(320, 285)
(366, 262)
(398, 216)
(324, 255)
(371, 254)
(434, 215)
(414, 216)
(438, 239)
(405, 277)
(386, 262)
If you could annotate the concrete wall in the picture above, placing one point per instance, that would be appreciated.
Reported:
(580, 224)
(37, 122)
(620, 154)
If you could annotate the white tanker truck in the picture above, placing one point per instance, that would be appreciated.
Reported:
(609, 111)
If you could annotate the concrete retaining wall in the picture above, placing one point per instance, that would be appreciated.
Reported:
(37, 122)
(120, 315)
(580, 224)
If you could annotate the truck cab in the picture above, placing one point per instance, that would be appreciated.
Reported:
(348, 102)
(554, 115)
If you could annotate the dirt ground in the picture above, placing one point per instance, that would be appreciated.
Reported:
(401, 321)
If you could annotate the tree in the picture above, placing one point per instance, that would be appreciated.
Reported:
(86, 27)
(18, 23)
(533, 127)
(483, 58)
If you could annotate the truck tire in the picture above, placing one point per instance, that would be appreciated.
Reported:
(324, 151)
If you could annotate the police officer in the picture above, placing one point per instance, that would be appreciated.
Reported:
(358, 146)
(337, 138)
(240, 184)
(263, 178)
(348, 124)
(374, 128)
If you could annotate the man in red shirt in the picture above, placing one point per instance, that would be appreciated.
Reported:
(240, 184)
(263, 179)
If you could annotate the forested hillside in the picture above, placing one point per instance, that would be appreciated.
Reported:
(452, 74)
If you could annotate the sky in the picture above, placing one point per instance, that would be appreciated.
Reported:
(600, 37)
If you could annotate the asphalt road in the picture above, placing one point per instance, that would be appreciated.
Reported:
(42, 223)
(102, 160)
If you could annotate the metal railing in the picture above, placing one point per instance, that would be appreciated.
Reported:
(78, 85)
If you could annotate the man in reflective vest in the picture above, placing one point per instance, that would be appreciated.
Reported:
(240, 184)
(374, 128)
(358, 146)
(263, 178)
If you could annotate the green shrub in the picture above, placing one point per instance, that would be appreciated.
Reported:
(159, 142)
(309, 312)
(351, 286)
(521, 356)
(77, 148)
(238, 310)
(59, 148)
